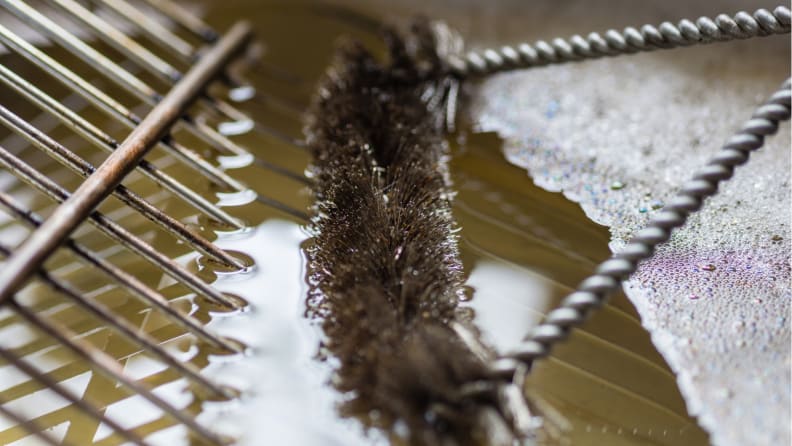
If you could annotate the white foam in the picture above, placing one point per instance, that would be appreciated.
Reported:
(286, 396)
(717, 297)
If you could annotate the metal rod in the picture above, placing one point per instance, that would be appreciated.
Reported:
(120, 41)
(184, 18)
(31, 17)
(153, 29)
(76, 401)
(108, 366)
(42, 242)
(595, 290)
(83, 168)
(110, 106)
(113, 71)
(145, 58)
(107, 226)
(130, 331)
(136, 287)
(107, 143)
(44, 122)
(30, 426)
(302, 216)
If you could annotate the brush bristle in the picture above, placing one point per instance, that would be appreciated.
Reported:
(384, 265)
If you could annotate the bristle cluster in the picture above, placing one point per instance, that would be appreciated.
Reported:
(384, 265)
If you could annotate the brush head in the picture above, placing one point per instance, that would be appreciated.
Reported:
(385, 272)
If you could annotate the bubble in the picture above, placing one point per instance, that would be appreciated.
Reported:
(552, 109)
(724, 393)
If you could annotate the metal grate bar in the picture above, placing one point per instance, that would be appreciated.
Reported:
(110, 173)
(127, 80)
(183, 18)
(29, 426)
(130, 331)
(84, 323)
(138, 288)
(114, 109)
(79, 403)
(108, 366)
(121, 42)
(157, 32)
(145, 58)
(106, 225)
(113, 71)
(83, 168)
(153, 30)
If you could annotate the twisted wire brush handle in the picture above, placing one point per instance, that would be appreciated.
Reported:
(593, 292)
(631, 40)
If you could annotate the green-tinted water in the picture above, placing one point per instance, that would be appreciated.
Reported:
(523, 249)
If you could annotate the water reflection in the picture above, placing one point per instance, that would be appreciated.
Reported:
(508, 302)
(285, 393)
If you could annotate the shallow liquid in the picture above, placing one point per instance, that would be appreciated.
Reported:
(523, 250)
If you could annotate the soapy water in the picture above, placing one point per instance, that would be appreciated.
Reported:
(285, 398)
(286, 393)
(716, 298)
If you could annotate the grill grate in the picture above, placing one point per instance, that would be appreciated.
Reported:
(57, 247)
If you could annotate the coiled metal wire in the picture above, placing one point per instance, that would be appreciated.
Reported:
(631, 40)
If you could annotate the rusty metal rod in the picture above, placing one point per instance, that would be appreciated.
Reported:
(112, 229)
(146, 294)
(142, 56)
(109, 367)
(111, 107)
(115, 72)
(73, 399)
(42, 242)
(130, 331)
(107, 143)
(77, 164)
(156, 32)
